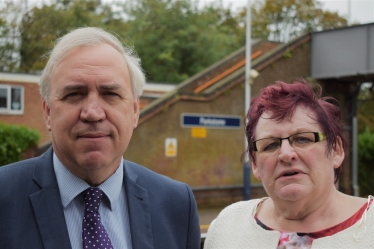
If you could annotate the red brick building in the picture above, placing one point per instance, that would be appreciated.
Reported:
(20, 102)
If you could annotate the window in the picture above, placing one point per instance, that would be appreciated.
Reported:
(11, 99)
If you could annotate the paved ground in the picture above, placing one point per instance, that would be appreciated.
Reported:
(206, 217)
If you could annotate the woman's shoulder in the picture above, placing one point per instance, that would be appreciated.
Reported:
(235, 227)
(239, 209)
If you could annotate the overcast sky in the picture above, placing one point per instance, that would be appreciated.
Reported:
(362, 11)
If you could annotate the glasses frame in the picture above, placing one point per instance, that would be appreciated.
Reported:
(318, 136)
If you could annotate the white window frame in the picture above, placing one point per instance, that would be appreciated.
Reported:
(8, 109)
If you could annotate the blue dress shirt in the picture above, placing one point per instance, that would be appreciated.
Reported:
(113, 209)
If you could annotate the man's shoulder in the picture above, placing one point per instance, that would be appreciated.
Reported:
(17, 167)
(15, 176)
(145, 175)
(26, 165)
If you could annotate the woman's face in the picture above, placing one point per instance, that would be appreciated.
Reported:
(291, 173)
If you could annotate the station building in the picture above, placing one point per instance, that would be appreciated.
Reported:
(194, 132)
(172, 138)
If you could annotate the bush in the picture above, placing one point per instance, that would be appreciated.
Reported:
(366, 162)
(14, 140)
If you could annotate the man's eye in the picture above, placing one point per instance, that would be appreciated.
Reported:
(111, 94)
(73, 94)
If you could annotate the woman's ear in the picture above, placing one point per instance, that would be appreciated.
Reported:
(255, 169)
(338, 153)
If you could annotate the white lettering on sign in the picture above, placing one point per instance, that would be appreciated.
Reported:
(212, 121)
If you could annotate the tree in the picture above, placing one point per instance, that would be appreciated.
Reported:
(365, 162)
(365, 107)
(282, 20)
(365, 116)
(176, 39)
(9, 36)
(43, 25)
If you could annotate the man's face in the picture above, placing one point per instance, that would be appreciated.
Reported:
(92, 112)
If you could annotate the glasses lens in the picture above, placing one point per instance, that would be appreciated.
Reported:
(267, 144)
(302, 139)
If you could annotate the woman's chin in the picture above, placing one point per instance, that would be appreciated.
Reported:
(291, 192)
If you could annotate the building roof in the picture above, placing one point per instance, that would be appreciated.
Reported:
(221, 76)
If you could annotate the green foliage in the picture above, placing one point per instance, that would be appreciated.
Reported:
(282, 20)
(366, 162)
(176, 39)
(365, 107)
(287, 54)
(41, 26)
(14, 140)
(8, 36)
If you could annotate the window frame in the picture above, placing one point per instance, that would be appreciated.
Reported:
(8, 109)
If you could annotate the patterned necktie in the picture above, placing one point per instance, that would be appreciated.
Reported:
(94, 235)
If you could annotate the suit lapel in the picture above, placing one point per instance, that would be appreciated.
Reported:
(139, 211)
(47, 205)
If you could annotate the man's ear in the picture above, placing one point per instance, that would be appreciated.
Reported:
(338, 153)
(46, 115)
(255, 169)
(136, 112)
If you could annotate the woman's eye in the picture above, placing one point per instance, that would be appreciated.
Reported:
(272, 146)
(302, 140)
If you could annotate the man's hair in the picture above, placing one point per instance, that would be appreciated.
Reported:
(282, 99)
(91, 36)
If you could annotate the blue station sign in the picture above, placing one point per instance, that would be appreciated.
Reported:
(210, 121)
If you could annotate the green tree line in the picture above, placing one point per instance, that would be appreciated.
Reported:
(174, 38)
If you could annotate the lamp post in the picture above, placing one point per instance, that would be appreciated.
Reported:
(247, 97)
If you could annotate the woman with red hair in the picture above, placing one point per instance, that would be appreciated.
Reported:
(296, 145)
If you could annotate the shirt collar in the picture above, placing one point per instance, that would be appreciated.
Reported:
(71, 185)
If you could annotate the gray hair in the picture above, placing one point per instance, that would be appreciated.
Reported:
(89, 36)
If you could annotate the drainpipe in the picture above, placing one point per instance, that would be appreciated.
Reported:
(355, 186)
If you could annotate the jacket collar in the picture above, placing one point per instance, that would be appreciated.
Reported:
(47, 205)
(139, 210)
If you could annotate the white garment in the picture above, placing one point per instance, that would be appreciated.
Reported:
(236, 228)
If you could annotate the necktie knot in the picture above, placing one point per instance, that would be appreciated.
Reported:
(92, 198)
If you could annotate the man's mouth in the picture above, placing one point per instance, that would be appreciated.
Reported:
(91, 135)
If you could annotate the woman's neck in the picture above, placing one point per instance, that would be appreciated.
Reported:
(307, 215)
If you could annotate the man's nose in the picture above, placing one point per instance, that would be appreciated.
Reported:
(92, 109)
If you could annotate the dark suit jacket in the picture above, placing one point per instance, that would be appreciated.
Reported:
(162, 212)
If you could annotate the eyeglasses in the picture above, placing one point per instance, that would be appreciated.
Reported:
(298, 140)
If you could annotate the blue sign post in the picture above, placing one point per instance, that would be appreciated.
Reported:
(210, 121)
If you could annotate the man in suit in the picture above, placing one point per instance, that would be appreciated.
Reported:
(90, 89)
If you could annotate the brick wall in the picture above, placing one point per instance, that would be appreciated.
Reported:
(216, 159)
(32, 116)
